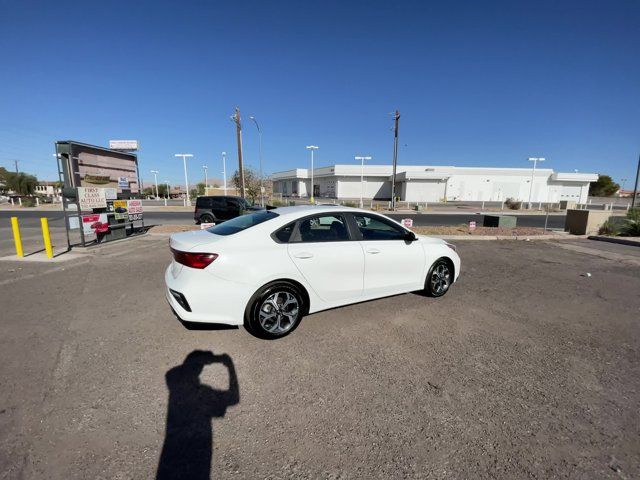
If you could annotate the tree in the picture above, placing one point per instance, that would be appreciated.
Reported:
(604, 187)
(251, 184)
(149, 191)
(21, 183)
(200, 189)
(162, 190)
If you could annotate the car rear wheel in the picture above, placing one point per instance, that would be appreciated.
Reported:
(275, 311)
(439, 278)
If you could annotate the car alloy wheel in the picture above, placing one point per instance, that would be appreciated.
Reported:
(439, 279)
(275, 311)
(279, 312)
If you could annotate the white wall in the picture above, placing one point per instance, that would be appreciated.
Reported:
(423, 191)
(372, 187)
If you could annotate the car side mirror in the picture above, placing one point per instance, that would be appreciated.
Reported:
(410, 236)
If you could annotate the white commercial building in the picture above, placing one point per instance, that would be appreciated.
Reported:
(416, 183)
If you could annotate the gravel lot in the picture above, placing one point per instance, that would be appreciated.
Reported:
(526, 369)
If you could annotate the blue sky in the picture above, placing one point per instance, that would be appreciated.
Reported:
(477, 83)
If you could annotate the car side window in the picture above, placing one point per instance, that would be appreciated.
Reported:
(375, 228)
(284, 234)
(323, 228)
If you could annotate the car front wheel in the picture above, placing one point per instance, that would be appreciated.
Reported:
(275, 311)
(439, 278)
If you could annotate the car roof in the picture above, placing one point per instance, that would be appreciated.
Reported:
(302, 210)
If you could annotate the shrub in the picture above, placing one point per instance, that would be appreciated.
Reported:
(350, 204)
(28, 202)
(513, 204)
(631, 227)
(610, 228)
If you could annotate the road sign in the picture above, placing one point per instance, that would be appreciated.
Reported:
(407, 222)
(123, 182)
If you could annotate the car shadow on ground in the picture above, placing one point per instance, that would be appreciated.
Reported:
(188, 443)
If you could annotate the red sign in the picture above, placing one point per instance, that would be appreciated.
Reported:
(95, 223)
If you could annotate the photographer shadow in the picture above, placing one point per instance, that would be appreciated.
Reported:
(188, 444)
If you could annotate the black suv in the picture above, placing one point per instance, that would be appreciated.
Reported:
(219, 209)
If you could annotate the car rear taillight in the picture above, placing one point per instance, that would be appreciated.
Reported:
(193, 260)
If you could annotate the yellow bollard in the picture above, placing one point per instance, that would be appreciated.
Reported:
(46, 237)
(16, 236)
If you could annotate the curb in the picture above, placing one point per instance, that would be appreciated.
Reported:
(524, 238)
(621, 241)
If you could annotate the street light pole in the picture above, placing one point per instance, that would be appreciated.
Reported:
(224, 171)
(635, 185)
(206, 178)
(362, 159)
(186, 179)
(312, 148)
(166, 182)
(535, 161)
(260, 154)
(155, 175)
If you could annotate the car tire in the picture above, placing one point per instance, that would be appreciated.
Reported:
(206, 218)
(275, 311)
(439, 279)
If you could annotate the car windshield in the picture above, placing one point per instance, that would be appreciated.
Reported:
(242, 222)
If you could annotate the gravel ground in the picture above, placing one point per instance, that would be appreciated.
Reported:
(525, 369)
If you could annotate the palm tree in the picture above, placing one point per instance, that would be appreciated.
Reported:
(21, 183)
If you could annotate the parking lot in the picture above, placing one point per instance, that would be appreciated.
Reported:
(528, 368)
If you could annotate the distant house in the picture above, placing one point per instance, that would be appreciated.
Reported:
(48, 189)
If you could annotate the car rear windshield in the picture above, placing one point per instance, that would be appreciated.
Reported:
(242, 222)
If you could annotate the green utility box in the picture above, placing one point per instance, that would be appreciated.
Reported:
(504, 221)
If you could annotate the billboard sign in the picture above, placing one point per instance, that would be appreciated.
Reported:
(134, 208)
(91, 166)
(91, 197)
(126, 145)
(120, 209)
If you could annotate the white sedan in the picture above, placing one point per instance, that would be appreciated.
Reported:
(268, 269)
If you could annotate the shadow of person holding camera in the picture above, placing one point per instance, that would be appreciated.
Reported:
(187, 449)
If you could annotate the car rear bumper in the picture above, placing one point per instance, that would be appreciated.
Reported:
(198, 296)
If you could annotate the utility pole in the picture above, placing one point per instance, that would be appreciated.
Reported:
(396, 118)
(635, 186)
(260, 152)
(155, 174)
(16, 163)
(236, 118)
(224, 171)
(535, 161)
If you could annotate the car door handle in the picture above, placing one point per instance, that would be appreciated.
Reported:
(303, 255)
(373, 251)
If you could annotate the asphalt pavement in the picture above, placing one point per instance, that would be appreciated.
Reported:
(527, 368)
